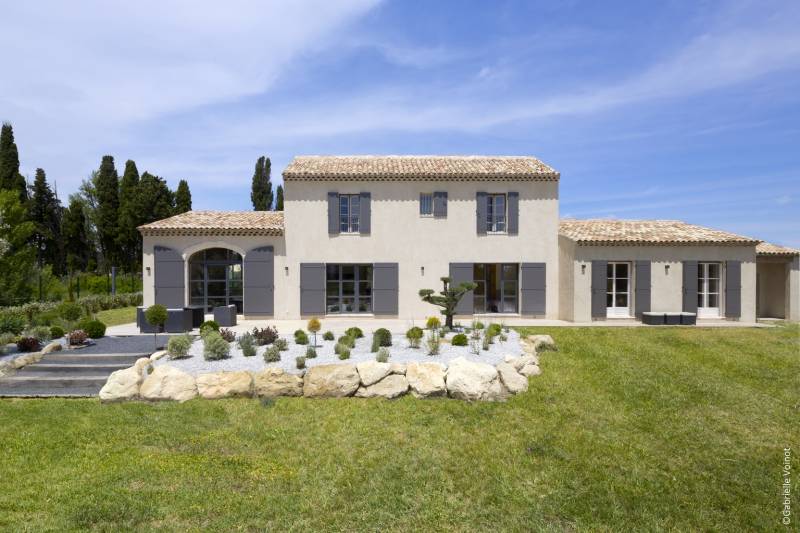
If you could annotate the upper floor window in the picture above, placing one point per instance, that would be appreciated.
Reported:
(349, 211)
(496, 213)
(426, 204)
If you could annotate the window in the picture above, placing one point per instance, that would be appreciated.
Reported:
(349, 212)
(618, 289)
(496, 213)
(426, 204)
(348, 289)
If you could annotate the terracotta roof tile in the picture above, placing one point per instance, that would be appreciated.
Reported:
(218, 223)
(766, 248)
(602, 231)
(406, 167)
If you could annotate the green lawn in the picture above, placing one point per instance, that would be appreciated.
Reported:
(115, 317)
(627, 429)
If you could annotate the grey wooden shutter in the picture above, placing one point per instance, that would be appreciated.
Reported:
(333, 213)
(513, 213)
(690, 286)
(642, 292)
(385, 284)
(534, 288)
(733, 289)
(259, 281)
(365, 222)
(599, 288)
(459, 273)
(169, 275)
(312, 288)
(440, 204)
(480, 212)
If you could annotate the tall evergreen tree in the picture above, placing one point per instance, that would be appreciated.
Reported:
(156, 200)
(45, 212)
(279, 198)
(10, 178)
(107, 186)
(77, 247)
(16, 255)
(183, 198)
(261, 192)
(128, 238)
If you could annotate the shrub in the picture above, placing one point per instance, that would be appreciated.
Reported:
(337, 349)
(178, 346)
(348, 341)
(300, 362)
(433, 323)
(486, 342)
(207, 326)
(156, 315)
(70, 311)
(432, 343)
(227, 334)
(414, 335)
(5, 340)
(77, 337)
(344, 352)
(215, 347)
(40, 333)
(328, 336)
(28, 344)
(272, 354)
(493, 330)
(300, 337)
(311, 352)
(11, 322)
(381, 337)
(354, 332)
(459, 340)
(314, 326)
(382, 355)
(247, 344)
(56, 332)
(281, 344)
(93, 328)
(265, 335)
(477, 324)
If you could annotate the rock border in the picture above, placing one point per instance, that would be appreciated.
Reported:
(462, 379)
(23, 359)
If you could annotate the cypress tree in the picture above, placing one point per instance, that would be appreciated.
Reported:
(128, 239)
(261, 193)
(107, 186)
(183, 198)
(16, 255)
(45, 213)
(279, 199)
(156, 200)
(10, 178)
(77, 248)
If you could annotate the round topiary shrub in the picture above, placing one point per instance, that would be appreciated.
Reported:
(494, 330)
(156, 315)
(354, 332)
(208, 326)
(300, 337)
(311, 352)
(93, 328)
(381, 337)
(459, 340)
(215, 347)
(347, 340)
(300, 362)
(433, 323)
(56, 332)
(414, 335)
(328, 336)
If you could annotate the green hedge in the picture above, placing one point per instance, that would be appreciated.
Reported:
(45, 313)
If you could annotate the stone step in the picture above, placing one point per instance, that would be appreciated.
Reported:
(54, 382)
(70, 369)
(100, 359)
(38, 391)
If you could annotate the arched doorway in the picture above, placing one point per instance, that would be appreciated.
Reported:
(215, 278)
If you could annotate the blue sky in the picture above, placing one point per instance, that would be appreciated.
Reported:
(686, 110)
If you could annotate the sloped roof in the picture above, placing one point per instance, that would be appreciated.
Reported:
(766, 248)
(218, 223)
(606, 231)
(412, 167)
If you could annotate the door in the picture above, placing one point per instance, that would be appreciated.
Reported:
(497, 287)
(618, 290)
(708, 283)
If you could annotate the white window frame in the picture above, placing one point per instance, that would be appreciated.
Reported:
(496, 222)
(613, 311)
(426, 200)
(703, 292)
(349, 221)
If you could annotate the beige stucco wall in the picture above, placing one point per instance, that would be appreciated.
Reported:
(666, 274)
(566, 278)
(779, 287)
(400, 235)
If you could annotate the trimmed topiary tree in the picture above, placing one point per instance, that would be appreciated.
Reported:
(447, 298)
(314, 326)
(156, 316)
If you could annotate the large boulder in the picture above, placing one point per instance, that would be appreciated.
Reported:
(372, 371)
(519, 362)
(122, 385)
(54, 346)
(542, 343)
(474, 381)
(27, 359)
(514, 382)
(168, 383)
(391, 386)
(331, 381)
(274, 382)
(397, 368)
(426, 379)
(530, 370)
(224, 384)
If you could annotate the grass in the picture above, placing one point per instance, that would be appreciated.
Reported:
(626, 429)
(115, 317)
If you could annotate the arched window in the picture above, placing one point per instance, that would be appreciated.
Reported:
(215, 278)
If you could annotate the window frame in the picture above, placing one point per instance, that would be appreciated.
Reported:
(349, 221)
(426, 196)
(360, 285)
(496, 223)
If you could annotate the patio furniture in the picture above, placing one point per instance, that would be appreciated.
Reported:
(198, 314)
(689, 319)
(225, 315)
(672, 319)
(178, 320)
(653, 319)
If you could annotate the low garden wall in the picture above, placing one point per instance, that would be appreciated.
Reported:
(461, 379)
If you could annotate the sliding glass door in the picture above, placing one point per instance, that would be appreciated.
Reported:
(497, 286)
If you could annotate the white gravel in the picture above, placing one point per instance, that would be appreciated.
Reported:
(400, 352)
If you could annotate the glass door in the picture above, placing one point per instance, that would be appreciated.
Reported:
(497, 286)
(708, 282)
(618, 290)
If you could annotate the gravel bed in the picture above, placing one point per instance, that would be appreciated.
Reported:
(400, 352)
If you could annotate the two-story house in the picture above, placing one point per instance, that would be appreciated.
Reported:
(361, 235)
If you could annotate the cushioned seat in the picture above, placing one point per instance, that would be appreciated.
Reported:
(225, 315)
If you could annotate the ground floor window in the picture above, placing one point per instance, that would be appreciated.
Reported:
(348, 288)
(708, 282)
(215, 278)
(618, 289)
(496, 288)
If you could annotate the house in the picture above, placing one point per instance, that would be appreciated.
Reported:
(361, 235)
